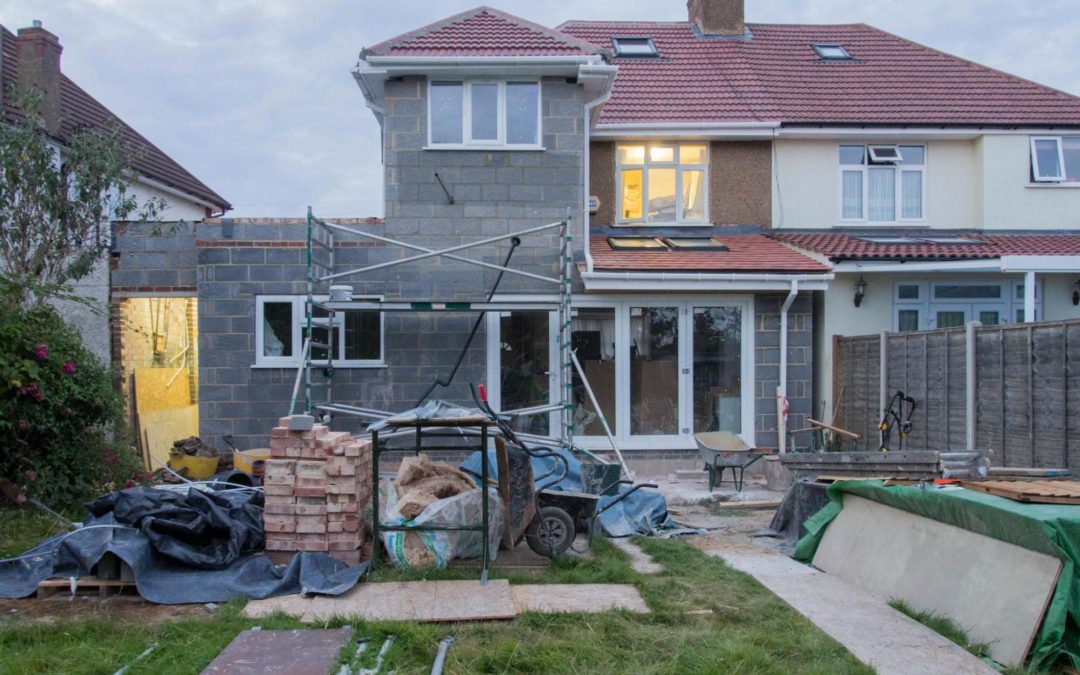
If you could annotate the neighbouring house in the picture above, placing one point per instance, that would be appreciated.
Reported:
(739, 192)
(154, 322)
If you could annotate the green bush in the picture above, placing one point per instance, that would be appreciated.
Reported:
(60, 416)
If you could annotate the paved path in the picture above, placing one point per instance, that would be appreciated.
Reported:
(875, 633)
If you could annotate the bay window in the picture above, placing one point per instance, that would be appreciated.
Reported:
(662, 183)
(1055, 159)
(356, 336)
(882, 183)
(497, 113)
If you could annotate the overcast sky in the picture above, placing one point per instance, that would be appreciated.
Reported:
(255, 97)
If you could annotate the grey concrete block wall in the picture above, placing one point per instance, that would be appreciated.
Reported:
(767, 363)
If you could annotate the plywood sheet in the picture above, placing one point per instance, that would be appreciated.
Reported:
(284, 652)
(161, 389)
(399, 601)
(566, 598)
(1032, 491)
(162, 427)
(996, 591)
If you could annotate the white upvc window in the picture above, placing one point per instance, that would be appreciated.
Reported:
(1055, 159)
(925, 305)
(882, 183)
(280, 325)
(484, 113)
(662, 183)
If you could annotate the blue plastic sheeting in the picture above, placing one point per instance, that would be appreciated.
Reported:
(644, 512)
(182, 548)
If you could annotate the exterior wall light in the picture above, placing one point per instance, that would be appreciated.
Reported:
(1076, 292)
(860, 290)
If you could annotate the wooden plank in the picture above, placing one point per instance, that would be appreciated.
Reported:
(421, 601)
(1035, 492)
(1025, 472)
(282, 652)
(103, 587)
(749, 505)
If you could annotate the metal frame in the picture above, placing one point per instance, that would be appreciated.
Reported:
(321, 270)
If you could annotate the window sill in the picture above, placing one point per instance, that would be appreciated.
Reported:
(636, 224)
(1053, 186)
(457, 147)
(337, 364)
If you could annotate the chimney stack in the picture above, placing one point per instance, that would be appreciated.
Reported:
(37, 53)
(718, 17)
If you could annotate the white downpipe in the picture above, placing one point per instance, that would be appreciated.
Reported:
(585, 182)
(781, 391)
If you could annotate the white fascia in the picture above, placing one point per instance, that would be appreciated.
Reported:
(900, 132)
(702, 281)
(158, 185)
(870, 266)
(749, 129)
(1044, 264)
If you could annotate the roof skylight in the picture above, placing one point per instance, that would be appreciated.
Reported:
(634, 46)
(694, 244)
(890, 240)
(953, 240)
(831, 51)
(635, 244)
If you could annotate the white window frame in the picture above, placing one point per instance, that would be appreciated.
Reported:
(1011, 300)
(617, 40)
(865, 167)
(1061, 178)
(298, 325)
(468, 143)
(679, 168)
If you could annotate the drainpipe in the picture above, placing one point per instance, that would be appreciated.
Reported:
(781, 391)
(586, 216)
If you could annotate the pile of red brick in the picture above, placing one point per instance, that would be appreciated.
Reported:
(317, 485)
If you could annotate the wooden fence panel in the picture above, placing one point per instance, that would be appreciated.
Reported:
(1027, 389)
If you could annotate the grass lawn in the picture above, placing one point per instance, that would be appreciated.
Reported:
(749, 631)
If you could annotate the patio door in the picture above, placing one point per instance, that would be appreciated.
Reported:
(523, 376)
(716, 387)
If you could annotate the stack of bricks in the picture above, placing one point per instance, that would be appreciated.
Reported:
(317, 485)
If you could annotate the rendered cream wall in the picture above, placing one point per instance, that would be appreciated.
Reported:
(807, 174)
(1010, 201)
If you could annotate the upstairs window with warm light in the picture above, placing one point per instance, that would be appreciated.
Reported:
(488, 114)
(664, 184)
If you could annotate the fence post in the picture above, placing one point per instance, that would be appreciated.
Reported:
(969, 385)
(883, 360)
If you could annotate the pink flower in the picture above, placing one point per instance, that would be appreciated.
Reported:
(33, 391)
(69, 368)
(23, 424)
(41, 351)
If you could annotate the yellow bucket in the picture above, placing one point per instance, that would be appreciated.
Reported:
(244, 460)
(198, 468)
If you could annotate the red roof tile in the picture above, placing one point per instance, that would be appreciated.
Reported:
(483, 31)
(841, 246)
(80, 110)
(777, 76)
(746, 253)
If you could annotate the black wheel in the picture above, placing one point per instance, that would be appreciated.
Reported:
(551, 532)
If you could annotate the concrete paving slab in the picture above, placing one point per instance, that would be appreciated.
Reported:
(875, 633)
(281, 652)
(567, 598)
(996, 591)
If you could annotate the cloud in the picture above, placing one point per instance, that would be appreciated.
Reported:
(255, 97)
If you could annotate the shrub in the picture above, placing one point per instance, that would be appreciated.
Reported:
(60, 416)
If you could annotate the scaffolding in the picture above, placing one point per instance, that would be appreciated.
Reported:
(322, 314)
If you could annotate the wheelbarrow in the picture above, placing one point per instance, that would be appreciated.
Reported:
(724, 450)
(547, 518)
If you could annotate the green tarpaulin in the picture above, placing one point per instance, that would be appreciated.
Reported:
(1053, 529)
